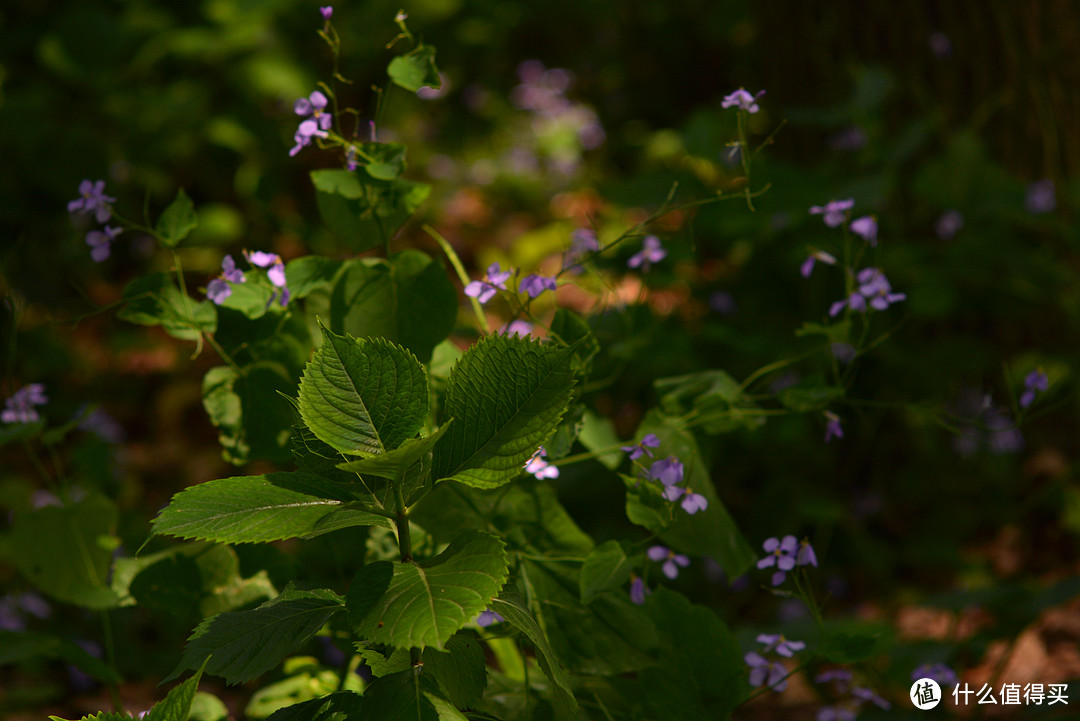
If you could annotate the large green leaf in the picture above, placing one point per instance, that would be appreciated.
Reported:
(407, 299)
(260, 509)
(415, 69)
(67, 551)
(461, 669)
(252, 419)
(606, 568)
(177, 220)
(365, 212)
(155, 300)
(177, 703)
(340, 706)
(402, 696)
(506, 396)
(243, 645)
(428, 601)
(363, 395)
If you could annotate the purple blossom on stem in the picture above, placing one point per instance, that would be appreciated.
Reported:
(218, 291)
(230, 272)
(522, 328)
(582, 241)
(637, 450)
(308, 129)
(841, 676)
(671, 560)
(865, 694)
(668, 471)
(834, 211)
(691, 502)
(843, 352)
(835, 713)
(742, 100)
(766, 673)
(275, 273)
(535, 284)
(100, 242)
(833, 429)
(92, 199)
(487, 618)
(638, 590)
(781, 554)
(19, 408)
(817, 255)
(539, 467)
(1040, 197)
(484, 290)
(806, 555)
(776, 642)
(315, 106)
(866, 228)
(1035, 382)
(873, 287)
(326, 11)
(651, 252)
(949, 224)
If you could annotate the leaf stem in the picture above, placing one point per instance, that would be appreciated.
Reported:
(402, 521)
(455, 261)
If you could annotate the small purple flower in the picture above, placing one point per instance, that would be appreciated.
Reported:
(835, 713)
(742, 100)
(670, 559)
(691, 502)
(103, 426)
(19, 408)
(230, 272)
(651, 252)
(582, 241)
(484, 290)
(641, 448)
(315, 106)
(866, 228)
(766, 673)
(843, 352)
(100, 242)
(326, 11)
(668, 471)
(874, 287)
(275, 273)
(834, 211)
(939, 672)
(1034, 383)
(833, 429)
(92, 199)
(806, 555)
(841, 676)
(638, 590)
(1040, 197)
(350, 158)
(539, 467)
(522, 328)
(949, 224)
(865, 694)
(487, 618)
(261, 259)
(307, 130)
(776, 642)
(217, 291)
(781, 553)
(818, 255)
(535, 284)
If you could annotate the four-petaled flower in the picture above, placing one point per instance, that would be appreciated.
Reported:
(841, 676)
(833, 429)
(742, 100)
(326, 11)
(494, 281)
(100, 242)
(638, 589)
(19, 408)
(766, 673)
(781, 553)
(641, 448)
(670, 559)
(691, 502)
(1034, 383)
(535, 284)
(669, 471)
(651, 252)
(834, 211)
(776, 642)
(539, 467)
(817, 255)
(92, 199)
(488, 617)
(866, 228)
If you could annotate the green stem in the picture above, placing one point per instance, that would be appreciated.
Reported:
(402, 521)
(110, 659)
(455, 261)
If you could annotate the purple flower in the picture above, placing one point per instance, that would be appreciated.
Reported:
(582, 241)
(103, 426)
(843, 352)
(834, 211)
(841, 676)
(315, 106)
(939, 672)
(691, 502)
(1040, 197)
(484, 290)
(230, 272)
(808, 265)
(776, 642)
(780, 554)
(275, 273)
(641, 448)
(261, 259)
(519, 327)
(874, 287)
(651, 252)
(865, 694)
(487, 618)
(1034, 383)
(949, 224)
(19, 408)
(668, 471)
(539, 467)
(835, 713)
(866, 228)
(92, 199)
(742, 100)
(671, 560)
(100, 242)
(766, 673)
(806, 555)
(833, 429)
(535, 284)
(638, 590)
(849, 139)
(217, 291)
(302, 137)
(350, 158)
(326, 11)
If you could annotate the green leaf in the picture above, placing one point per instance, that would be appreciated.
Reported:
(804, 398)
(415, 69)
(363, 395)
(512, 607)
(408, 300)
(67, 551)
(393, 464)
(243, 645)
(461, 669)
(177, 703)
(428, 601)
(852, 641)
(260, 509)
(252, 419)
(607, 567)
(340, 706)
(387, 160)
(363, 211)
(507, 395)
(713, 395)
(154, 299)
(251, 298)
(598, 433)
(400, 696)
(381, 664)
(309, 273)
(177, 220)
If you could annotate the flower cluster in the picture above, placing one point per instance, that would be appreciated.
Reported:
(275, 272)
(1034, 383)
(785, 554)
(539, 467)
(742, 100)
(771, 673)
(984, 426)
(669, 471)
(316, 121)
(19, 408)
(535, 284)
(218, 289)
(92, 200)
(542, 92)
(873, 290)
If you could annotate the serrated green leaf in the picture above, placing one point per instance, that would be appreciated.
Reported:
(607, 567)
(243, 645)
(572, 329)
(365, 212)
(252, 419)
(512, 607)
(340, 706)
(507, 395)
(251, 298)
(461, 669)
(415, 70)
(393, 464)
(428, 601)
(363, 395)
(177, 703)
(177, 220)
(155, 300)
(407, 299)
(259, 509)
(381, 664)
(401, 696)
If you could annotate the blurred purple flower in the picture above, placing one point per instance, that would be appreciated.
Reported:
(217, 291)
(865, 694)
(841, 676)
(776, 642)
(230, 272)
(843, 352)
(519, 327)
(1034, 383)
(539, 467)
(487, 618)
(103, 426)
(949, 224)
(651, 252)
(494, 281)
(669, 471)
(866, 228)
(582, 241)
(638, 590)
(326, 11)
(691, 502)
(275, 273)
(314, 105)
(307, 130)
(642, 447)
(874, 287)
(19, 408)
(535, 284)
(817, 255)
(940, 45)
(939, 672)
(671, 560)
(92, 199)
(766, 673)
(834, 211)
(742, 100)
(835, 713)
(849, 139)
(806, 555)
(833, 428)
(1040, 197)
(100, 242)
